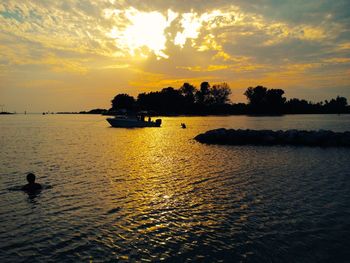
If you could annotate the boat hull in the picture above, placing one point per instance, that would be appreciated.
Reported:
(131, 123)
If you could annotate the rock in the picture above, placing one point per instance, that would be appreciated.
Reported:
(322, 138)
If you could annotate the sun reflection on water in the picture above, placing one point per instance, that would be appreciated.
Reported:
(147, 194)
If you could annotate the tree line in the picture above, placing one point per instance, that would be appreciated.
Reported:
(215, 99)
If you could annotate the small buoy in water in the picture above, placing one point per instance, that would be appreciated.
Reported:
(183, 125)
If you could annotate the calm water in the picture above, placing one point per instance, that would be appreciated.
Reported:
(155, 194)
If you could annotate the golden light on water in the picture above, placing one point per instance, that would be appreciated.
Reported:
(156, 181)
(146, 194)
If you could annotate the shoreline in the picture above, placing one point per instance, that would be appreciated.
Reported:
(178, 115)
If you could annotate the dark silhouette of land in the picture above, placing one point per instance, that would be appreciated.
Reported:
(214, 100)
(321, 138)
(94, 111)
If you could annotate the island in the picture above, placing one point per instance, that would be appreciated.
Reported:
(215, 99)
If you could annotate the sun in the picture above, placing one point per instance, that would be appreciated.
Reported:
(144, 33)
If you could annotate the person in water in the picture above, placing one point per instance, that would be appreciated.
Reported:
(32, 186)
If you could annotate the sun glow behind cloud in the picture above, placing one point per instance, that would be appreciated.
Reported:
(191, 25)
(139, 33)
(145, 31)
(128, 46)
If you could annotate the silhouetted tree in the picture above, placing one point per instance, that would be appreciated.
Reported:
(188, 91)
(202, 95)
(274, 100)
(123, 101)
(167, 101)
(298, 106)
(172, 100)
(216, 95)
(337, 105)
(219, 94)
(263, 100)
(215, 100)
(205, 87)
(256, 98)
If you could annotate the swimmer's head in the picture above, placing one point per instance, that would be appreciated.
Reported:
(31, 178)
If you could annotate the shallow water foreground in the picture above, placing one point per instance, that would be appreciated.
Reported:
(155, 194)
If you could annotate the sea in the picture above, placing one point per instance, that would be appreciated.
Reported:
(157, 195)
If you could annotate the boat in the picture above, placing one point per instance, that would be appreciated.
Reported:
(133, 122)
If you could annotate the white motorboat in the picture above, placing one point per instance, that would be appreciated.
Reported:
(136, 122)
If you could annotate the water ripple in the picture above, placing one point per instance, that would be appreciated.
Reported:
(155, 194)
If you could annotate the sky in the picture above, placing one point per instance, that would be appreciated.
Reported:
(77, 55)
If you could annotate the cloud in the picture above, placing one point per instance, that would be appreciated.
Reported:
(136, 30)
(150, 43)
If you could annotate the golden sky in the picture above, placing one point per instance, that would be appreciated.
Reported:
(77, 55)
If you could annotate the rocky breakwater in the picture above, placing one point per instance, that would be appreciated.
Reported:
(323, 138)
